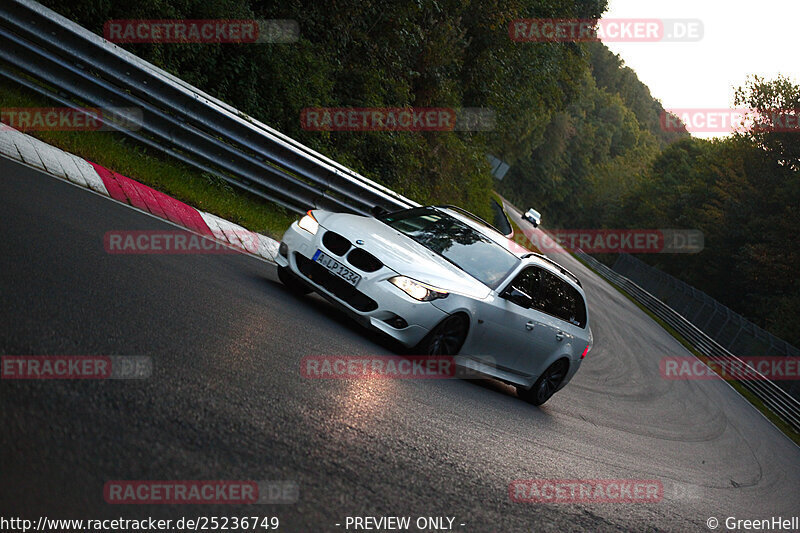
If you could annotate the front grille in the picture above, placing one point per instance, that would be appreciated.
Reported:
(335, 285)
(335, 243)
(364, 260)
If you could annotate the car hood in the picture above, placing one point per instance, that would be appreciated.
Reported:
(403, 254)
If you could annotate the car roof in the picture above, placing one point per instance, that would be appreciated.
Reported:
(555, 268)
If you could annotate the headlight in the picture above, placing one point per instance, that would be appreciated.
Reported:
(415, 289)
(309, 223)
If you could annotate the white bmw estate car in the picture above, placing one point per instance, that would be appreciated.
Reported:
(445, 282)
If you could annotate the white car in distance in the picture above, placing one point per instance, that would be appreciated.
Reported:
(533, 216)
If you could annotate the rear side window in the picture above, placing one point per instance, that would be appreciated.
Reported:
(552, 295)
(528, 282)
(558, 298)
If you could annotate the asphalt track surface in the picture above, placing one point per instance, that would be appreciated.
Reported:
(227, 401)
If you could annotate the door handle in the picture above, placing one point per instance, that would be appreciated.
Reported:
(530, 325)
(560, 336)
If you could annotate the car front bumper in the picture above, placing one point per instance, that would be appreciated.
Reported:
(374, 302)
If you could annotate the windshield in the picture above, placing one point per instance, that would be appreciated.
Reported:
(468, 249)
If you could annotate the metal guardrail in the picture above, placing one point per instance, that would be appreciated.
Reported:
(775, 398)
(67, 63)
(727, 327)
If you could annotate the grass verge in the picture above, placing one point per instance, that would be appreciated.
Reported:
(749, 396)
(148, 166)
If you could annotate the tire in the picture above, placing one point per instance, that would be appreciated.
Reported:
(446, 338)
(546, 385)
(291, 282)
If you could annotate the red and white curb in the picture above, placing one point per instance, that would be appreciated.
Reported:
(56, 162)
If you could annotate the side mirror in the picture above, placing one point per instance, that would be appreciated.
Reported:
(518, 297)
(378, 211)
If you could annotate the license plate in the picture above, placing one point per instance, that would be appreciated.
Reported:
(337, 268)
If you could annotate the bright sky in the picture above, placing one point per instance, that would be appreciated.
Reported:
(741, 37)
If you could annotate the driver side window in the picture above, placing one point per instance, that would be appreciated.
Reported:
(528, 282)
